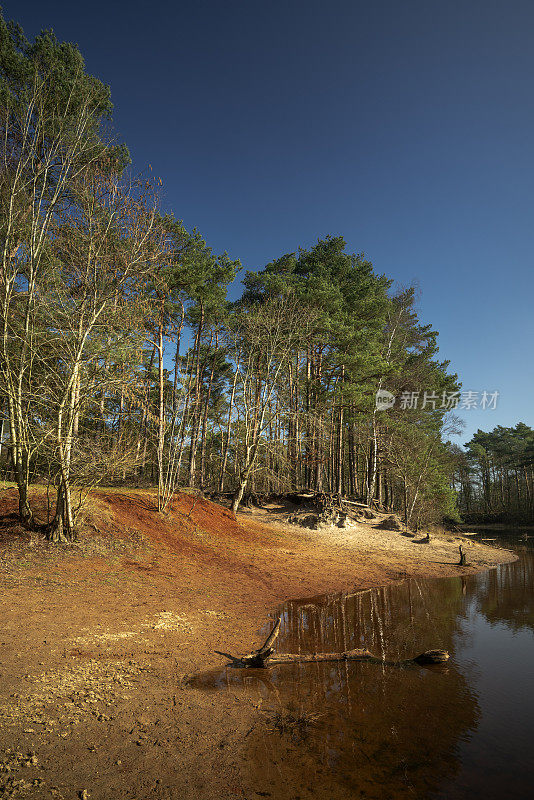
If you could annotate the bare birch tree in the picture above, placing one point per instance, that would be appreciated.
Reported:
(266, 338)
(42, 150)
(104, 250)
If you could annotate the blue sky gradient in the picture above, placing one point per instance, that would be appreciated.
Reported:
(405, 127)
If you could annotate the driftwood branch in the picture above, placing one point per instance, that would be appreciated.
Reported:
(260, 657)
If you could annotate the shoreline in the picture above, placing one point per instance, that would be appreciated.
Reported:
(96, 641)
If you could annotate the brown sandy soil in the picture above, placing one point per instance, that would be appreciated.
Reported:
(96, 639)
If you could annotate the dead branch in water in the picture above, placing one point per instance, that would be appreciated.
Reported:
(257, 658)
(260, 657)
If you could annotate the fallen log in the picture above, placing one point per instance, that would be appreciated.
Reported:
(259, 658)
(360, 654)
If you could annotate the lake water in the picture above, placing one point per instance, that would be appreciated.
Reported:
(355, 730)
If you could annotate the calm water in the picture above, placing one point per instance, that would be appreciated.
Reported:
(376, 731)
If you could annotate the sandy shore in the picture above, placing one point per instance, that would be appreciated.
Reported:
(96, 640)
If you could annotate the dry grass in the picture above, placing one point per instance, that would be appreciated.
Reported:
(293, 723)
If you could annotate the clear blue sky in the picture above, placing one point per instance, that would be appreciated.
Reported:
(407, 127)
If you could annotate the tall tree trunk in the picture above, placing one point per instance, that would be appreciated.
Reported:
(161, 414)
(143, 427)
(339, 487)
(177, 361)
(309, 434)
(405, 500)
(21, 461)
(195, 411)
(296, 416)
(62, 528)
(228, 428)
(205, 416)
(374, 462)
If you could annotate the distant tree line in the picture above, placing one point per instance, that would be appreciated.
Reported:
(121, 359)
(494, 475)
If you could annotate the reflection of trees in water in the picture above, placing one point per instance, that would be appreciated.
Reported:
(506, 594)
(396, 621)
(384, 731)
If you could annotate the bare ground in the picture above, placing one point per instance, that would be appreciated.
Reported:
(96, 639)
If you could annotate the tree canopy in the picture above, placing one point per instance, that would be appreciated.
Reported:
(122, 360)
